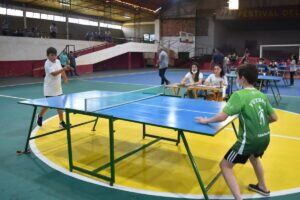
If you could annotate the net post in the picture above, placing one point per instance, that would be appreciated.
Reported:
(85, 105)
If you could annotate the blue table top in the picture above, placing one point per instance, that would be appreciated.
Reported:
(74, 101)
(260, 77)
(163, 111)
(171, 112)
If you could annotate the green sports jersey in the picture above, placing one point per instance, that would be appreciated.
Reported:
(254, 110)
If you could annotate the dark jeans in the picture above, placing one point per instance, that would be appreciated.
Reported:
(52, 34)
(73, 72)
(292, 78)
(162, 73)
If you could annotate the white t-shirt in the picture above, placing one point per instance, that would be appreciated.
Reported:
(52, 84)
(163, 60)
(215, 81)
(189, 76)
(293, 66)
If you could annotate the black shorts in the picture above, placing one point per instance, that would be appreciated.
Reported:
(233, 157)
(53, 96)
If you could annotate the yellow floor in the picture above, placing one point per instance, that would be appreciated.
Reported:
(165, 167)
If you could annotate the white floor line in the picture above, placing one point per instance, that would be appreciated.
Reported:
(285, 96)
(119, 83)
(76, 78)
(285, 136)
(276, 135)
(13, 97)
(21, 84)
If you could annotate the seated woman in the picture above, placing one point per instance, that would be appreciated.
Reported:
(194, 77)
(273, 68)
(218, 79)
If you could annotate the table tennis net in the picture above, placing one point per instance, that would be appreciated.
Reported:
(105, 102)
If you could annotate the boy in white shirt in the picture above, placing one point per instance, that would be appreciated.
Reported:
(52, 82)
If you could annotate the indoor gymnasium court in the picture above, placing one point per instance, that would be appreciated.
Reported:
(140, 99)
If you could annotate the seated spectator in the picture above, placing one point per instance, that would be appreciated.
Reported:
(262, 66)
(53, 30)
(273, 67)
(218, 79)
(233, 58)
(72, 58)
(217, 58)
(5, 27)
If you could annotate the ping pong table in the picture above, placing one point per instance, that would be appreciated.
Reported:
(141, 107)
(263, 80)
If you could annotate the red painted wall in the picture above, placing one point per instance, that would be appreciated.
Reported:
(16, 68)
(122, 62)
(36, 67)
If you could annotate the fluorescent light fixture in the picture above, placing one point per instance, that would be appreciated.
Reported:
(127, 17)
(233, 4)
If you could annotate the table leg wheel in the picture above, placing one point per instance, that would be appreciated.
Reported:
(19, 152)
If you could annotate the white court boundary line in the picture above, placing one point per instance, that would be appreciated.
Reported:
(93, 77)
(13, 97)
(53, 165)
(87, 78)
(119, 83)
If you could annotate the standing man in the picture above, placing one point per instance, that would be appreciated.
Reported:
(72, 58)
(163, 63)
(63, 58)
(293, 69)
(217, 58)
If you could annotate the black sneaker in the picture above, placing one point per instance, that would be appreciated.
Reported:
(255, 188)
(62, 124)
(40, 120)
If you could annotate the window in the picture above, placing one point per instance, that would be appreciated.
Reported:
(73, 20)
(14, 12)
(103, 25)
(233, 4)
(33, 15)
(47, 17)
(93, 23)
(2, 11)
(83, 22)
(59, 18)
(113, 26)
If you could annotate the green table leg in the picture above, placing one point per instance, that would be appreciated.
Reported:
(95, 124)
(29, 133)
(112, 151)
(274, 95)
(278, 92)
(204, 191)
(178, 138)
(69, 141)
(144, 131)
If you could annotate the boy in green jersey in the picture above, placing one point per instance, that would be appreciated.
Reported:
(255, 113)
